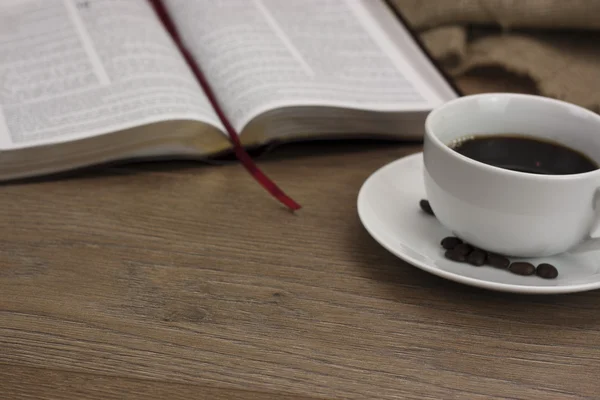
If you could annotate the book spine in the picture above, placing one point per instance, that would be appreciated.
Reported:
(239, 150)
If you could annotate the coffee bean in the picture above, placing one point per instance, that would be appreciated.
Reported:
(546, 271)
(463, 249)
(450, 242)
(454, 256)
(522, 268)
(457, 250)
(497, 261)
(477, 257)
(425, 206)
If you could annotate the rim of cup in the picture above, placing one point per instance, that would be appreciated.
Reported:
(523, 175)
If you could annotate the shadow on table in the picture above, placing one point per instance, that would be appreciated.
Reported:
(408, 284)
(325, 147)
(275, 152)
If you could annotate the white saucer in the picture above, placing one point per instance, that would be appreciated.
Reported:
(388, 206)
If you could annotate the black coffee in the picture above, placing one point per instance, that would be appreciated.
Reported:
(524, 154)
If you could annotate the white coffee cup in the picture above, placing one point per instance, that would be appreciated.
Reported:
(513, 213)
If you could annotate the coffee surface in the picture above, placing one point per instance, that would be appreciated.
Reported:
(525, 154)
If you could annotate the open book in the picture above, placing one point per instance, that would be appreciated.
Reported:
(84, 82)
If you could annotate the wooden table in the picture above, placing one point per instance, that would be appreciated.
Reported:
(179, 281)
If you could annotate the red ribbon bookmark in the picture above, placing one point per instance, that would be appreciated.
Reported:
(240, 152)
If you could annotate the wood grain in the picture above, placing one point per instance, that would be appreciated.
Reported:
(180, 280)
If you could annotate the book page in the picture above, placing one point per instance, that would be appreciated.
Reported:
(265, 54)
(71, 69)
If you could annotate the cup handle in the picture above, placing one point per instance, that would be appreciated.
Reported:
(592, 242)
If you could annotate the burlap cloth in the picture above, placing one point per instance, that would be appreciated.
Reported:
(554, 44)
